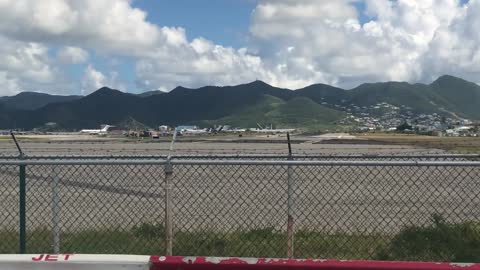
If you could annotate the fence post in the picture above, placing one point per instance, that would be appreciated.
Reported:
(168, 209)
(168, 200)
(55, 211)
(23, 225)
(290, 204)
(22, 198)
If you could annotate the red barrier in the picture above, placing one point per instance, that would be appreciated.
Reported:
(215, 263)
(134, 262)
(73, 262)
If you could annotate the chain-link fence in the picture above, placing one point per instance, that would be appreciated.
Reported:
(344, 209)
(37, 147)
(305, 157)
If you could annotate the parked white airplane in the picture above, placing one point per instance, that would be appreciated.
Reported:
(275, 131)
(102, 131)
(238, 130)
(188, 131)
(463, 128)
(272, 130)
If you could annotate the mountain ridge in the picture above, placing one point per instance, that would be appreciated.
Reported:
(33, 100)
(210, 103)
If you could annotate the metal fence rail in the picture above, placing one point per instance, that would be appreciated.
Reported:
(380, 157)
(344, 209)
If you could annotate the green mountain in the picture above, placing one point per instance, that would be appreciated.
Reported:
(151, 93)
(241, 105)
(324, 93)
(447, 95)
(33, 100)
(458, 96)
(296, 112)
(102, 106)
(416, 96)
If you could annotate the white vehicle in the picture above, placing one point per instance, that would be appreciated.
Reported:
(102, 131)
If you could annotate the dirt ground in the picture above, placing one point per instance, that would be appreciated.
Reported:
(348, 199)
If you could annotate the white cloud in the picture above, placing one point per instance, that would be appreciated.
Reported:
(112, 26)
(455, 48)
(401, 42)
(26, 66)
(9, 85)
(292, 43)
(28, 61)
(200, 63)
(72, 55)
(93, 80)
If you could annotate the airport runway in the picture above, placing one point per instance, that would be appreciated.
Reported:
(88, 145)
(225, 198)
(352, 199)
(327, 198)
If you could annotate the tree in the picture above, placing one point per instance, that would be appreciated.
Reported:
(404, 126)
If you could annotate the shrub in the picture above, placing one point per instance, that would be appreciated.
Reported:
(260, 234)
(147, 230)
(438, 242)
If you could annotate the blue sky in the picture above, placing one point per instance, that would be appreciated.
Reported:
(225, 22)
(76, 47)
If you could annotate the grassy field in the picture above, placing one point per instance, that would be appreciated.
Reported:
(148, 239)
(452, 144)
(439, 241)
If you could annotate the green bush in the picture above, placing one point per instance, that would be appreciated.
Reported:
(438, 242)
(261, 234)
(147, 230)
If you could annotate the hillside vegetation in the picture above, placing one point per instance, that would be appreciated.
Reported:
(296, 112)
(241, 106)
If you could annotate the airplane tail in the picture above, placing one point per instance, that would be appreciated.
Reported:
(105, 128)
